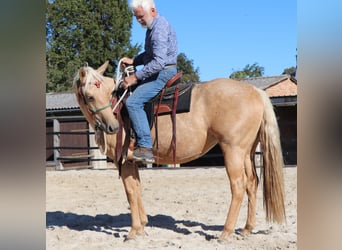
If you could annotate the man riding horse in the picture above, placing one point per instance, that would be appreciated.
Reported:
(160, 65)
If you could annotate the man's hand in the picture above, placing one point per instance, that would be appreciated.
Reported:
(129, 81)
(125, 61)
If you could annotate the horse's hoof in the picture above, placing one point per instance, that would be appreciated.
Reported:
(142, 234)
(136, 236)
(224, 237)
(245, 232)
(222, 241)
(130, 239)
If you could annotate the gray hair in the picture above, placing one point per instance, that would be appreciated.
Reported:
(145, 4)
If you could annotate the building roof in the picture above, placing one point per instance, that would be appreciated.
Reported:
(275, 86)
(61, 101)
(265, 81)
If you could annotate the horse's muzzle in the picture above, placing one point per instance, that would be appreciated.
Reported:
(112, 129)
(109, 128)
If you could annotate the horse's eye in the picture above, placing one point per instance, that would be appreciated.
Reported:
(90, 98)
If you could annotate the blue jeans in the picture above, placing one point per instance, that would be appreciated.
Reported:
(135, 104)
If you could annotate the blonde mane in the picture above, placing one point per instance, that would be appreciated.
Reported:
(90, 75)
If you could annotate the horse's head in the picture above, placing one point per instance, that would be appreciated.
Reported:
(94, 95)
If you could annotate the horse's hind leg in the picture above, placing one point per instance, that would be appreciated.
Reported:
(252, 185)
(131, 181)
(234, 162)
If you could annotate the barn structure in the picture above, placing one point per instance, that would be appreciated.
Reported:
(283, 93)
(70, 140)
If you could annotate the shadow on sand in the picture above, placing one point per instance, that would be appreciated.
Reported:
(115, 224)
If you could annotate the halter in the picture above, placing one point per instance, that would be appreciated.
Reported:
(92, 111)
(95, 110)
(114, 102)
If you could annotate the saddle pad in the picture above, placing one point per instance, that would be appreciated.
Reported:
(183, 105)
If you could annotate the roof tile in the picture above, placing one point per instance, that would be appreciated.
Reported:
(65, 100)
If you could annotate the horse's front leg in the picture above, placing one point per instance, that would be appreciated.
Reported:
(142, 213)
(131, 181)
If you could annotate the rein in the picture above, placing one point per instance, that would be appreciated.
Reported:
(119, 101)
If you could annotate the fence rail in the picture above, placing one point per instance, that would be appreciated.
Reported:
(68, 151)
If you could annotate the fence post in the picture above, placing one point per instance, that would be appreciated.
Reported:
(258, 156)
(56, 145)
(96, 152)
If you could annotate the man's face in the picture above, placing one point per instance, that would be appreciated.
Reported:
(145, 18)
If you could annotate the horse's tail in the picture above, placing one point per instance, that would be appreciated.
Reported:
(272, 172)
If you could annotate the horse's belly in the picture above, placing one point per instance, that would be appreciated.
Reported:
(192, 142)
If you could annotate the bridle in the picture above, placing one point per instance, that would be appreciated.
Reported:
(96, 110)
(93, 111)
(114, 102)
(99, 131)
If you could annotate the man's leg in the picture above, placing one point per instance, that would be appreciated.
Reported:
(137, 114)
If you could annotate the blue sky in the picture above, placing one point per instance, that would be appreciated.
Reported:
(224, 36)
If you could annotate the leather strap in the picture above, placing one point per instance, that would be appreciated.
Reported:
(173, 79)
(175, 102)
(173, 114)
(119, 137)
(156, 120)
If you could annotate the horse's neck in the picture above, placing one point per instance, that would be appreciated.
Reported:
(108, 141)
(111, 145)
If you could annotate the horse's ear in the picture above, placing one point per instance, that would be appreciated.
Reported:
(103, 67)
(82, 74)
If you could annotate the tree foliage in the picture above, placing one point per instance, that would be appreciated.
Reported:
(186, 66)
(79, 31)
(290, 71)
(248, 71)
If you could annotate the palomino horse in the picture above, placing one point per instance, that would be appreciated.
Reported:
(233, 114)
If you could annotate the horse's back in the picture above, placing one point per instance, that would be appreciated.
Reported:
(232, 108)
(228, 87)
(228, 95)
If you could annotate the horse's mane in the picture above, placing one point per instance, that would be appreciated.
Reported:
(89, 73)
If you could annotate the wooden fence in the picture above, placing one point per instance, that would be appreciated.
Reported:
(71, 143)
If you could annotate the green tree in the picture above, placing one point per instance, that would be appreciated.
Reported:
(79, 31)
(248, 71)
(289, 71)
(187, 67)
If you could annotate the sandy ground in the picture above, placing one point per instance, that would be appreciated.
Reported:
(87, 209)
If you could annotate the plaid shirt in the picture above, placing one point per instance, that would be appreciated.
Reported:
(160, 48)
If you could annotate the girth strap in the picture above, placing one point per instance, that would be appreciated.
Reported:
(174, 124)
(173, 118)
(119, 138)
(156, 120)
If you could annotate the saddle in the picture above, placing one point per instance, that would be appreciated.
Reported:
(174, 97)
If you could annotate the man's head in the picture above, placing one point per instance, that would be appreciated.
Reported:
(144, 11)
